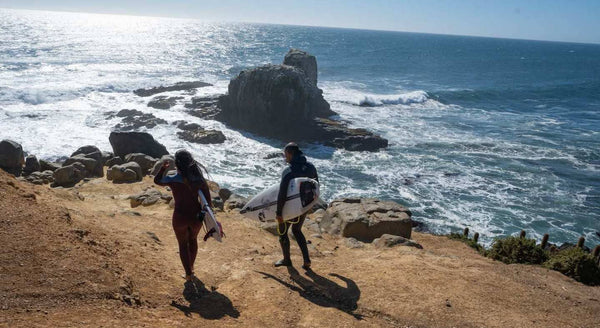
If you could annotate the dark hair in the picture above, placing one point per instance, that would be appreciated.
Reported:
(292, 148)
(187, 166)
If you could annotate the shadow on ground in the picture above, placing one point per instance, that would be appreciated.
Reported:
(209, 304)
(323, 291)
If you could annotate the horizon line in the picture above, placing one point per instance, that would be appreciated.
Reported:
(301, 25)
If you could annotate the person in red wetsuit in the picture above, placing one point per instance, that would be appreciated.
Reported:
(187, 216)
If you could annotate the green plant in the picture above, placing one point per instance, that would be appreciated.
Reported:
(470, 242)
(517, 250)
(576, 263)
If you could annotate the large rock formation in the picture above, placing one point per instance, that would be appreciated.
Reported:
(124, 143)
(284, 102)
(11, 157)
(273, 100)
(366, 219)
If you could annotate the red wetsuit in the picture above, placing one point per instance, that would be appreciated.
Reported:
(185, 216)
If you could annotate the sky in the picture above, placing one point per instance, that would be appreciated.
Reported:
(553, 20)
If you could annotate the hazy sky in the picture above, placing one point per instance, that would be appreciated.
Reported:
(560, 20)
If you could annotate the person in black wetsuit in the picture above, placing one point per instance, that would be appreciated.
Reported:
(185, 185)
(298, 167)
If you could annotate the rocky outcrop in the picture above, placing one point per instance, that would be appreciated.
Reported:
(204, 107)
(303, 61)
(179, 86)
(133, 119)
(272, 100)
(69, 175)
(124, 143)
(163, 102)
(11, 157)
(145, 162)
(31, 165)
(391, 240)
(125, 173)
(148, 197)
(366, 219)
(284, 102)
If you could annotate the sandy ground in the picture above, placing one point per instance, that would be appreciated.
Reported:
(84, 257)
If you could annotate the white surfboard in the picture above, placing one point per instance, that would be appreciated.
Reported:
(213, 229)
(302, 194)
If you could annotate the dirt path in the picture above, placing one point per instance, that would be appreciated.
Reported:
(98, 262)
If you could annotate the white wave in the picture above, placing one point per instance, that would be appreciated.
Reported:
(413, 97)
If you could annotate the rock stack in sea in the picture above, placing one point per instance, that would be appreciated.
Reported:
(284, 102)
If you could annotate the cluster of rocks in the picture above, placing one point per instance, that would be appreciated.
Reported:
(133, 119)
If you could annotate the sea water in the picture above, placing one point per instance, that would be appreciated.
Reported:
(496, 135)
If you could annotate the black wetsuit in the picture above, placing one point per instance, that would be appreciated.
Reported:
(299, 167)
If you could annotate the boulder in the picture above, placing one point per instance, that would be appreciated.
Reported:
(90, 164)
(166, 158)
(353, 243)
(303, 61)
(114, 161)
(69, 175)
(48, 166)
(148, 197)
(390, 241)
(124, 143)
(235, 202)
(31, 165)
(163, 102)
(128, 172)
(146, 162)
(11, 157)
(225, 193)
(202, 136)
(40, 178)
(85, 150)
(218, 203)
(179, 86)
(366, 219)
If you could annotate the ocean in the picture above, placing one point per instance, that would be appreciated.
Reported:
(497, 135)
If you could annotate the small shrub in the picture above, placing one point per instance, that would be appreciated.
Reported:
(517, 250)
(470, 242)
(575, 263)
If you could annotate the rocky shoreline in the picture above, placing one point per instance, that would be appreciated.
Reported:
(137, 154)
